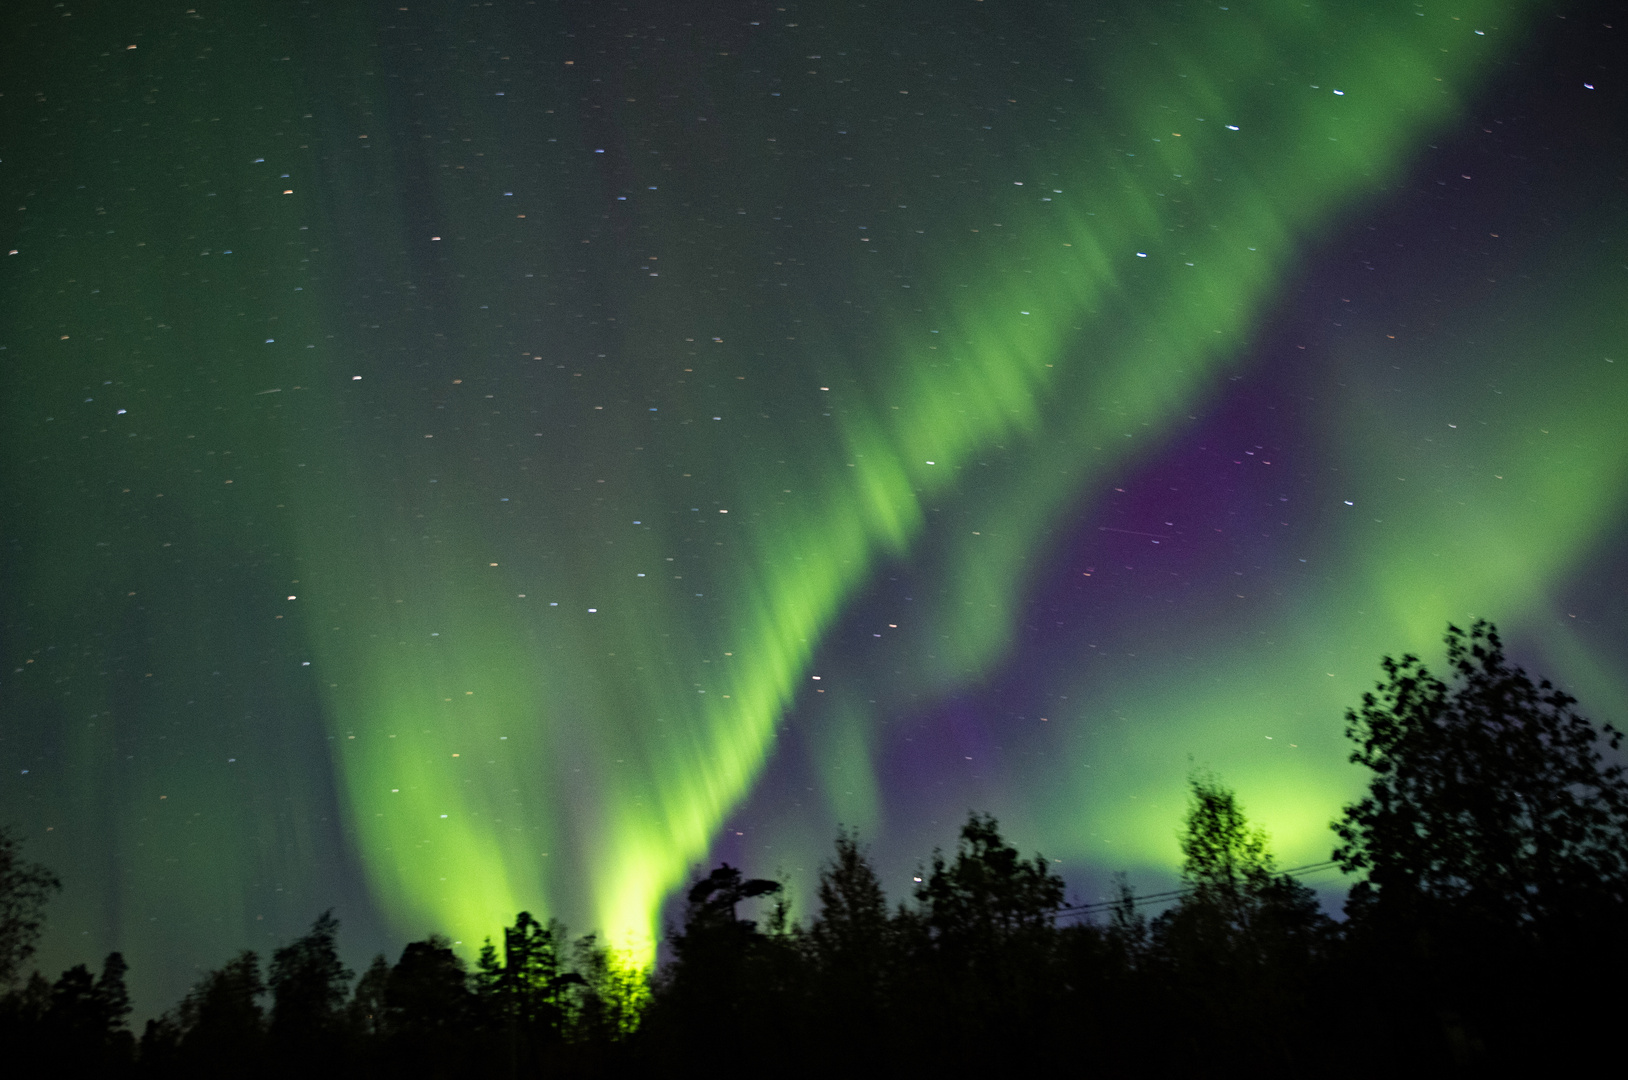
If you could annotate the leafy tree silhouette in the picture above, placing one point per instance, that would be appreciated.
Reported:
(428, 988)
(1490, 798)
(1238, 902)
(367, 1010)
(424, 1024)
(24, 889)
(988, 898)
(1238, 952)
(1494, 837)
(982, 945)
(989, 895)
(615, 993)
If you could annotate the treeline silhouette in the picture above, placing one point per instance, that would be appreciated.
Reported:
(1485, 935)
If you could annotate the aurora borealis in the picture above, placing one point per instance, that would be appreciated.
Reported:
(472, 457)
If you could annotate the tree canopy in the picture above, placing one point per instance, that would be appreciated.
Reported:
(24, 889)
(1493, 844)
(1491, 798)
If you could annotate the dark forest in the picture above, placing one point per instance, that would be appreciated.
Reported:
(1491, 865)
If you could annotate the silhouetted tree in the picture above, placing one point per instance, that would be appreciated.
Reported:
(218, 1029)
(1237, 952)
(989, 897)
(367, 1002)
(308, 986)
(24, 889)
(531, 1000)
(850, 938)
(428, 987)
(1237, 898)
(615, 993)
(852, 965)
(1491, 797)
(428, 1027)
(487, 977)
(73, 1027)
(725, 978)
(1494, 838)
(713, 899)
(23, 1009)
(112, 996)
(537, 978)
(1127, 930)
(983, 948)
(84, 1025)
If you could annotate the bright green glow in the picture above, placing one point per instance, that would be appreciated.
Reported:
(625, 803)
(591, 769)
(1502, 497)
(1239, 213)
(1160, 329)
(1477, 485)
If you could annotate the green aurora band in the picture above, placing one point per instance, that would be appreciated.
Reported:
(659, 794)
(533, 702)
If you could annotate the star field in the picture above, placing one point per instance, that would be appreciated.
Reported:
(465, 458)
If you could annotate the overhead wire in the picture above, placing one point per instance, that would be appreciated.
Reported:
(1168, 895)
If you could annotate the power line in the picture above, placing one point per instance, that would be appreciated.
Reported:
(1176, 894)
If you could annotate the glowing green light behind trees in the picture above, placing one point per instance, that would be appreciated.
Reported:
(1092, 296)
(572, 406)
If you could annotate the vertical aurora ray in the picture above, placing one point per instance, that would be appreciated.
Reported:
(158, 731)
(617, 363)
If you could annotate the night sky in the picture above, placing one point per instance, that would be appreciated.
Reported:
(465, 457)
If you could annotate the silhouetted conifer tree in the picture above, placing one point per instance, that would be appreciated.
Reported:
(535, 1000)
(218, 1029)
(851, 938)
(725, 975)
(82, 1031)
